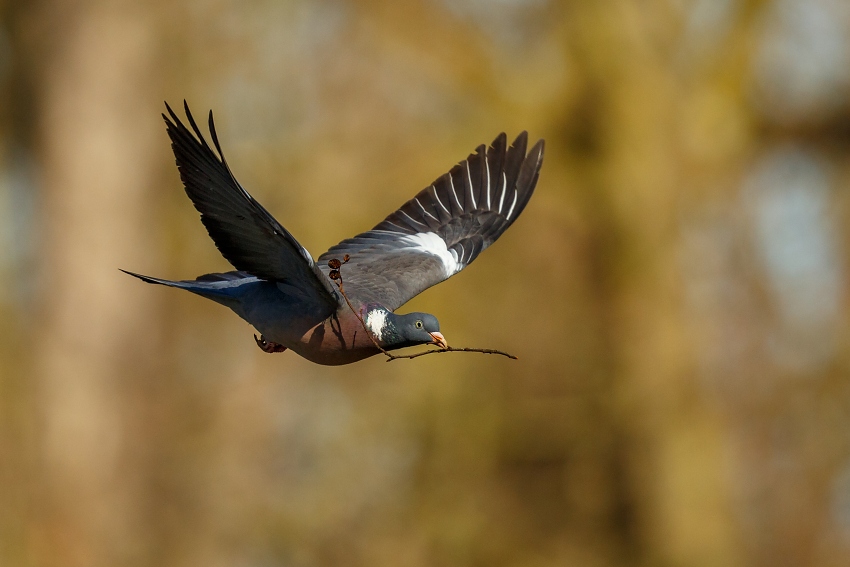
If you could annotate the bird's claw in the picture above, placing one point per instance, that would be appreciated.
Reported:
(267, 346)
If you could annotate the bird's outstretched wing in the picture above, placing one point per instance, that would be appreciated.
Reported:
(442, 229)
(246, 234)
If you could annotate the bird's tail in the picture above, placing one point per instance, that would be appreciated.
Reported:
(221, 288)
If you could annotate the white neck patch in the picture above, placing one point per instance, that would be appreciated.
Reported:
(430, 243)
(376, 321)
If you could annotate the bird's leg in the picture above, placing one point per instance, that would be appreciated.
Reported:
(266, 346)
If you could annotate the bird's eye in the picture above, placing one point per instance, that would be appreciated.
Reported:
(419, 324)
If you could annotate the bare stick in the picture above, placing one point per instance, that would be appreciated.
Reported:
(336, 276)
(452, 349)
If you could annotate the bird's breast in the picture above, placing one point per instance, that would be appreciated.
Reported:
(339, 339)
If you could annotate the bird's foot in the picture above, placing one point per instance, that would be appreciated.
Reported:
(267, 346)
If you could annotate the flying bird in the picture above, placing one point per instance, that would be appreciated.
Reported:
(291, 299)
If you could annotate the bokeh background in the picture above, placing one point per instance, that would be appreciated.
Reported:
(676, 290)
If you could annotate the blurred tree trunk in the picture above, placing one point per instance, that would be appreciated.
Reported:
(671, 445)
(96, 138)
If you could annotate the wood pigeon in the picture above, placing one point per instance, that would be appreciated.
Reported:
(291, 299)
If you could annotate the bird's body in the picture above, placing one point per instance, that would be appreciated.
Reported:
(285, 317)
(293, 301)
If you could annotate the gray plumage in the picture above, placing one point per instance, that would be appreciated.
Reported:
(289, 298)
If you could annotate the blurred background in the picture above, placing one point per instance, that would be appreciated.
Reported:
(677, 289)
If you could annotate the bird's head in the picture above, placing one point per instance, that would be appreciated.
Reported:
(398, 331)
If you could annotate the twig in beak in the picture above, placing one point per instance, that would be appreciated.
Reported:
(439, 340)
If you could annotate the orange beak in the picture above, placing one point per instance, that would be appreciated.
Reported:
(439, 340)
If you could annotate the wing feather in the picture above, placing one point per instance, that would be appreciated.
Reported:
(443, 228)
(245, 233)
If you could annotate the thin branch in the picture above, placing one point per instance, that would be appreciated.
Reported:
(452, 349)
(336, 276)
